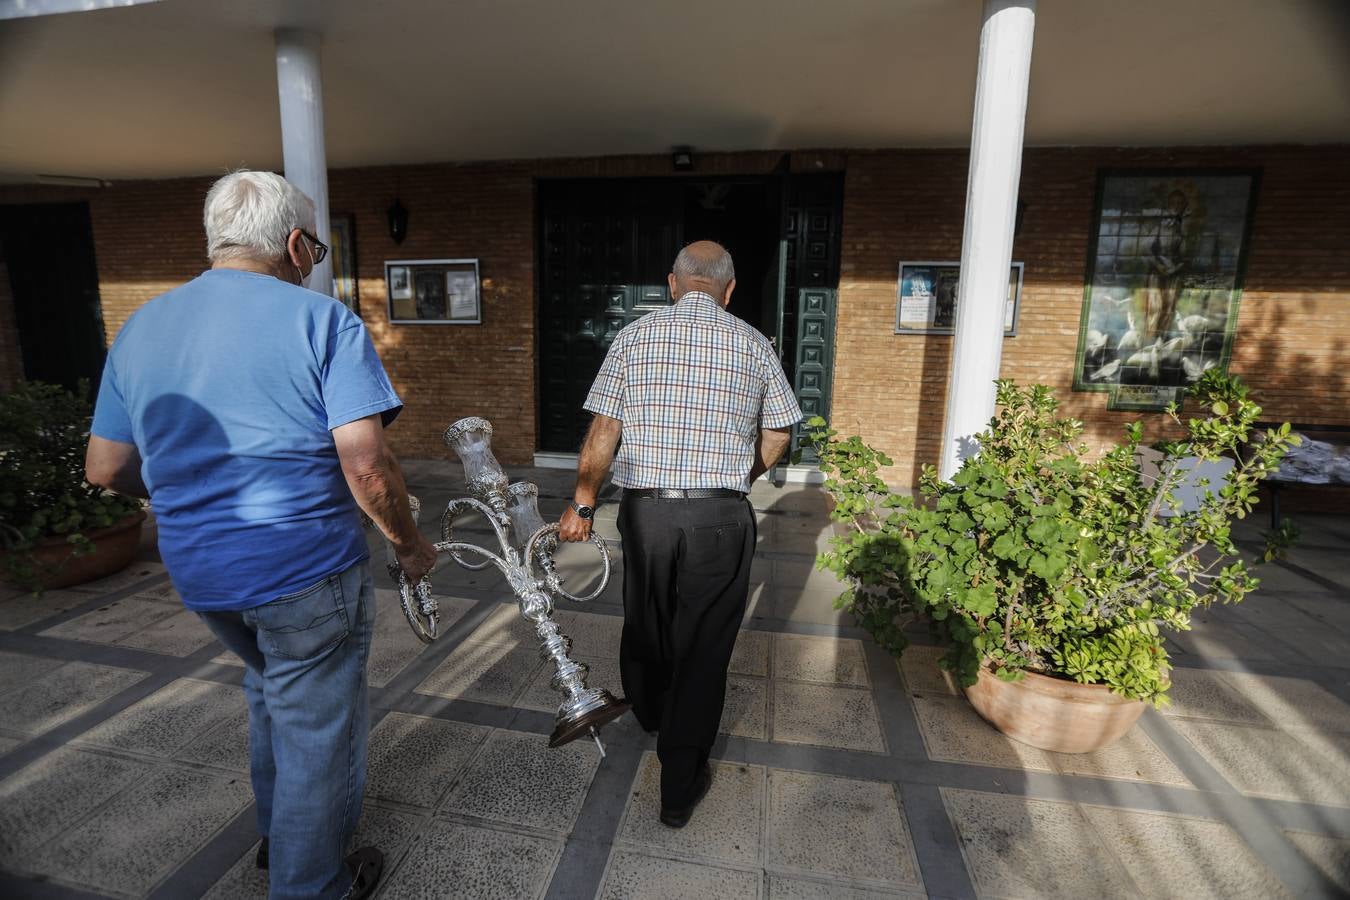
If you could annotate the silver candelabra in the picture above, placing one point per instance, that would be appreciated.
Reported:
(526, 560)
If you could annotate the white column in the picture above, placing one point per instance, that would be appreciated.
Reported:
(991, 209)
(300, 90)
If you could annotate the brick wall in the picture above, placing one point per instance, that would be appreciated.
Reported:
(1294, 320)
(1291, 341)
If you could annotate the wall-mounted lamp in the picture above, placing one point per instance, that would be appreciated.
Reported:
(398, 221)
(682, 158)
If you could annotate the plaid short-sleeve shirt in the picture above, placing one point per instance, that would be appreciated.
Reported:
(692, 385)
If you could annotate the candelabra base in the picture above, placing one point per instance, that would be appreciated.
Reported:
(577, 718)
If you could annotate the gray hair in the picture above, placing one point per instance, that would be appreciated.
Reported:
(717, 268)
(249, 215)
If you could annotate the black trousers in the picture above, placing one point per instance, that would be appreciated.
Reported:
(686, 576)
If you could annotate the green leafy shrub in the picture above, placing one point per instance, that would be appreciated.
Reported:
(43, 433)
(1038, 556)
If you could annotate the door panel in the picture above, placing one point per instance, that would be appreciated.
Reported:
(606, 249)
(815, 209)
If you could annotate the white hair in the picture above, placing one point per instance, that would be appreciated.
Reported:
(718, 269)
(250, 215)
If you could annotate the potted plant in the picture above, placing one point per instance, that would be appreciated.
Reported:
(56, 529)
(1048, 572)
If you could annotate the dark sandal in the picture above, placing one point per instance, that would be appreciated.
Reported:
(366, 865)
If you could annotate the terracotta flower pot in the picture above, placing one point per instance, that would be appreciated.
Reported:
(114, 549)
(1054, 714)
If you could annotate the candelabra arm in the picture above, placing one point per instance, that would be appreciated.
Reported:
(419, 604)
(539, 550)
(454, 508)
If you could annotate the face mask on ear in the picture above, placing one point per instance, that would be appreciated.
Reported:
(304, 279)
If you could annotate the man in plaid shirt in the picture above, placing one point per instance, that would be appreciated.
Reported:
(703, 408)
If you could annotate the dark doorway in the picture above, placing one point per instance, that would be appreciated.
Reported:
(744, 218)
(606, 247)
(49, 252)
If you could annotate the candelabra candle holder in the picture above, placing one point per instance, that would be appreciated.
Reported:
(526, 546)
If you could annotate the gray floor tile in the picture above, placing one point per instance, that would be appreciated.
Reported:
(450, 861)
(488, 673)
(1178, 856)
(164, 592)
(518, 780)
(138, 571)
(147, 832)
(1211, 639)
(593, 635)
(1329, 855)
(826, 716)
(1292, 703)
(61, 695)
(919, 667)
(786, 888)
(825, 660)
(826, 826)
(178, 635)
(394, 644)
(726, 827)
(54, 792)
(952, 731)
(109, 624)
(1016, 847)
(224, 746)
(19, 669)
(416, 759)
(540, 695)
(505, 625)
(167, 720)
(745, 712)
(242, 881)
(1205, 694)
(751, 656)
(635, 875)
(1263, 762)
(1134, 758)
(24, 609)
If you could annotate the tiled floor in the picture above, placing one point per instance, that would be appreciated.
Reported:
(840, 773)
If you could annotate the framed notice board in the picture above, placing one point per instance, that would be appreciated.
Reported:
(433, 291)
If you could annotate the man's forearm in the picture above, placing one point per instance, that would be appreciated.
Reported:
(769, 449)
(382, 494)
(597, 453)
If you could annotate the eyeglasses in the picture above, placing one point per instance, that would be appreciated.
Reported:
(320, 248)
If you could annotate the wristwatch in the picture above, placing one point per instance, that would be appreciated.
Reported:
(585, 512)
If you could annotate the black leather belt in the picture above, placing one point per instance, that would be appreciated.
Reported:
(683, 493)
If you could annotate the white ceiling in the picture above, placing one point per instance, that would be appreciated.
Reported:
(189, 86)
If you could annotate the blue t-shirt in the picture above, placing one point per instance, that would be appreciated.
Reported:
(229, 387)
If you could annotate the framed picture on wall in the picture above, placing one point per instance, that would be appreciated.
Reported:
(1164, 278)
(927, 292)
(433, 291)
(342, 241)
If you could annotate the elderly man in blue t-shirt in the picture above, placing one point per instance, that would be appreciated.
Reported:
(251, 412)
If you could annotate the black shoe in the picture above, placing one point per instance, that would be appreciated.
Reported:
(261, 859)
(366, 865)
(678, 818)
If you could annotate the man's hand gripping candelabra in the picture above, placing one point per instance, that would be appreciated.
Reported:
(527, 547)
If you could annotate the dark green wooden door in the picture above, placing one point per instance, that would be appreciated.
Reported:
(810, 309)
(606, 249)
(607, 246)
(48, 249)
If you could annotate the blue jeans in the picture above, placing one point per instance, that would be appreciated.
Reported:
(309, 720)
